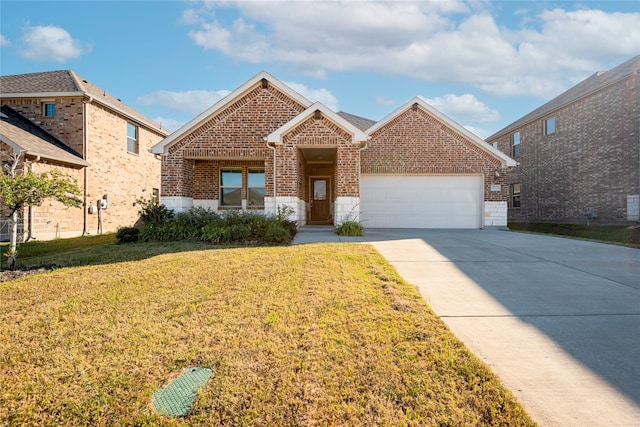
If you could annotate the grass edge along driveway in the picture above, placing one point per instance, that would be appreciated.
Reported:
(307, 335)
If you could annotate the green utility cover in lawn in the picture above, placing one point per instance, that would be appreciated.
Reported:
(177, 398)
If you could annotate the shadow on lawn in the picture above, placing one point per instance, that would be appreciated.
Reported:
(34, 259)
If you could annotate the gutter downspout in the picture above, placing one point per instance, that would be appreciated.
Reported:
(85, 151)
(271, 147)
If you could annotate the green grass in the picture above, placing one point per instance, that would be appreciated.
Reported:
(621, 234)
(324, 334)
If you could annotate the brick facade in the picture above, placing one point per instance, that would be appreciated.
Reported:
(263, 119)
(123, 176)
(591, 163)
(416, 143)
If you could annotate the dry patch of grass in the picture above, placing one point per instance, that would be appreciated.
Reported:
(306, 335)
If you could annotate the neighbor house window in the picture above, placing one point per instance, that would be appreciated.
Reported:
(132, 138)
(515, 144)
(550, 126)
(495, 145)
(515, 195)
(231, 188)
(255, 188)
(155, 195)
(48, 109)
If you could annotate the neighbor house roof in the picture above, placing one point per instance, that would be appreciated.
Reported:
(595, 83)
(358, 135)
(25, 136)
(506, 160)
(63, 83)
(225, 102)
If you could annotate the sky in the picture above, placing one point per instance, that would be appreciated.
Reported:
(482, 63)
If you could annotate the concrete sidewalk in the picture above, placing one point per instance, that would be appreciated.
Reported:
(557, 319)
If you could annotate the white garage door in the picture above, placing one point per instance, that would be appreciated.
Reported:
(412, 201)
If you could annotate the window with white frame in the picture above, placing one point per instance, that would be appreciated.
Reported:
(132, 138)
(231, 188)
(515, 195)
(255, 188)
(550, 126)
(48, 109)
(515, 144)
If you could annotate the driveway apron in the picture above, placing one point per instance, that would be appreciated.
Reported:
(558, 320)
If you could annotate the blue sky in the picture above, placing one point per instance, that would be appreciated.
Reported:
(483, 63)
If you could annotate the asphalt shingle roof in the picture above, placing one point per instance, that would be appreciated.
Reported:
(20, 131)
(359, 122)
(588, 86)
(67, 81)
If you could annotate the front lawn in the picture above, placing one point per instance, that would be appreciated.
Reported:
(324, 334)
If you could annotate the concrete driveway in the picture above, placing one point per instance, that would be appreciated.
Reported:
(557, 319)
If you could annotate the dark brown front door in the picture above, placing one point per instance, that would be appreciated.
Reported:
(320, 201)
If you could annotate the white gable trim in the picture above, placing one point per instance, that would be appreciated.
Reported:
(357, 134)
(206, 115)
(506, 160)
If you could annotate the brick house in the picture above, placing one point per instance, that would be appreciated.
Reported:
(578, 154)
(104, 144)
(265, 146)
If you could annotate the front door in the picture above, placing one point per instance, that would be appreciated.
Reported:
(319, 202)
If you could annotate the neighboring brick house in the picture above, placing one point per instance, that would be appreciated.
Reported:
(579, 154)
(109, 142)
(264, 147)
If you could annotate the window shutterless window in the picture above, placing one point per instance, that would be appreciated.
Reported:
(515, 144)
(515, 195)
(231, 188)
(255, 188)
(132, 138)
(155, 195)
(550, 126)
(48, 109)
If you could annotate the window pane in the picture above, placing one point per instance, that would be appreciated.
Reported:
(231, 197)
(49, 110)
(256, 178)
(231, 178)
(256, 197)
(320, 190)
(516, 138)
(516, 150)
(550, 126)
(132, 131)
(132, 145)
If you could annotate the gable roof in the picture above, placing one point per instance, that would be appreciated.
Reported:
(592, 84)
(63, 83)
(210, 112)
(506, 160)
(361, 123)
(357, 134)
(23, 135)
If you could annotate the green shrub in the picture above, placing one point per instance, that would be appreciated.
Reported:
(153, 213)
(277, 233)
(197, 217)
(350, 228)
(127, 234)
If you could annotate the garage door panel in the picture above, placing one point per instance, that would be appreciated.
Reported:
(419, 201)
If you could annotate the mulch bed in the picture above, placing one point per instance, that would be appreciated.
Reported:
(7, 275)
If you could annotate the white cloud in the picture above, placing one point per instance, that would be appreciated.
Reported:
(169, 124)
(191, 101)
(51, 43)
(436, 41)
(4, 41)
(322, 95)
(464, 108)
(386, 102)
